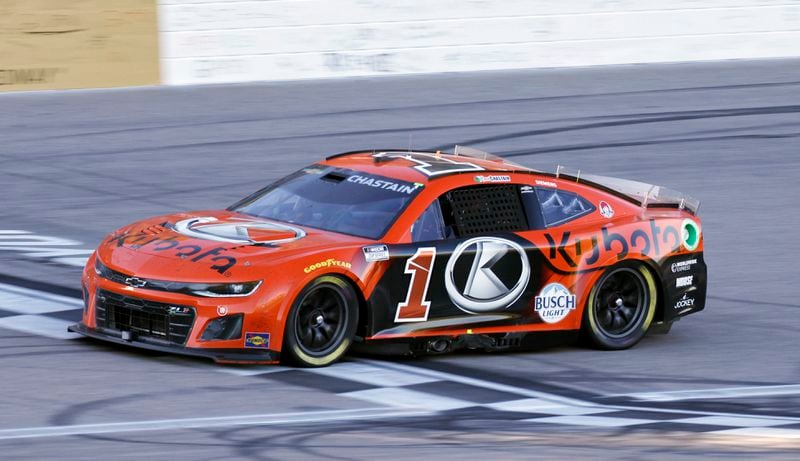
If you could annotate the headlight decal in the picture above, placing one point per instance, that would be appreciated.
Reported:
(206, 290)
(223, 289)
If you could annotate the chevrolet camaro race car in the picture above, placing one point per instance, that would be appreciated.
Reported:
(420, 252)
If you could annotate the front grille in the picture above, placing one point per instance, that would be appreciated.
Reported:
(145, 319)
(114, 276)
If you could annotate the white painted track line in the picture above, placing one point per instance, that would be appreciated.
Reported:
(538, 401)
(756, 432)
(479, 383)
(27, 301)
(399, 397)
(593, 421)
(371, 374)
(255, 370)
(718, 393)
(39, 325)
(736, 421)
(31, 305)
(223, 421)
(545, 407)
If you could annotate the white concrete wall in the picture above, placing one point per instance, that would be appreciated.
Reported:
(215, 41)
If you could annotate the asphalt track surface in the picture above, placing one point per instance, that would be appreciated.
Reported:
(76, 165)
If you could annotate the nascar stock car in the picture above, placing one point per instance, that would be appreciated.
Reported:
(421, 252)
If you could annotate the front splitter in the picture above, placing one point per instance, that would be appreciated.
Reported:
(219, 355)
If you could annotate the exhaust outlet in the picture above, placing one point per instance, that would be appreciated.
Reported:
(438, 346)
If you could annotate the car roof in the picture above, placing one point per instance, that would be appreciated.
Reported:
(424, 166)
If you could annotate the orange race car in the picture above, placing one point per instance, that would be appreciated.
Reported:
(423, 252)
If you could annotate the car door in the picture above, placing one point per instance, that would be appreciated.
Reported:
(466, 267)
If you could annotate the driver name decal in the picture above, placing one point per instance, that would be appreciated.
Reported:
(383, 184)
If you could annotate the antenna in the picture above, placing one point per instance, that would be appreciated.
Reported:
(409, 142)
(647, 196)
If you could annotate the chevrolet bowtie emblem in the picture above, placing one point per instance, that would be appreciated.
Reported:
(135, 282)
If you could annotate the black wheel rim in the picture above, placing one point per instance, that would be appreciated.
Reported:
(321, 320)
(620, 302)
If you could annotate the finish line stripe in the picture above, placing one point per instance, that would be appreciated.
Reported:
(719, 393)
(222, 421)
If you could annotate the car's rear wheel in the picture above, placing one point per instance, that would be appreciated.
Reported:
(322, 323)
(620, 307)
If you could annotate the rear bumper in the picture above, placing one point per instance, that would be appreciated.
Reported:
(219, 355)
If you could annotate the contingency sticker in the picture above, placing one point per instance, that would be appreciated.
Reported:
(376, 253)
(256, 340)
(605, 209)
(493, 178)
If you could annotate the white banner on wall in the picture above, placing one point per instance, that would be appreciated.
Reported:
(205, 41)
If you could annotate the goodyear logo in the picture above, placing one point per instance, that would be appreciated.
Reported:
(256, 340)
(327, 263)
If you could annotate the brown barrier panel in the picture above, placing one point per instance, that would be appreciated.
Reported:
(54, 44)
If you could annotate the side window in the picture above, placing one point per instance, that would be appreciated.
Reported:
(555, 207)
(429, 226)
(478, 210)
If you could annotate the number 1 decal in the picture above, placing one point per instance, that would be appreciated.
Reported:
(430, 164)
(415, 308)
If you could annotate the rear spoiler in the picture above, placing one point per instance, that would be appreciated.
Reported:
(640, 193)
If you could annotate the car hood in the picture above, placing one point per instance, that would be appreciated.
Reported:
(211, 246)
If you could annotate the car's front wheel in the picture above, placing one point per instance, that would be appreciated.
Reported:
(621, 307)
(322, 322)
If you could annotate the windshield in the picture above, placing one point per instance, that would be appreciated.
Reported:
(333, 199)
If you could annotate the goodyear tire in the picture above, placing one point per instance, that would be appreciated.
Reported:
(321, 323)
(620, 307)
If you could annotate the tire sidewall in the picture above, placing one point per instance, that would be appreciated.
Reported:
(294, 352)
(590, 324)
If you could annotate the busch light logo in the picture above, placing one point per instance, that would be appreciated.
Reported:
(554, 303)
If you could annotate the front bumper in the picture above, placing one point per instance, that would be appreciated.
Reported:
(183, 333)
(219, 355)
